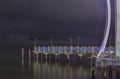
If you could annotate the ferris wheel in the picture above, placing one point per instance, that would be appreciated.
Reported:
(107, 28)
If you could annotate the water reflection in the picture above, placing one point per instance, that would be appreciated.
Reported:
(44, 70)
(57, 71)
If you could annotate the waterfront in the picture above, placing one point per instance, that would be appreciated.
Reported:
(11, 67)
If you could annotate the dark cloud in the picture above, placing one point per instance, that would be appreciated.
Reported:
(58, 19)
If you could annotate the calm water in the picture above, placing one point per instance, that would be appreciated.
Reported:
(12, 67)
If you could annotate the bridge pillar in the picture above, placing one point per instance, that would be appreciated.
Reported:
(48, 49)
(65, 51)
(110, 48)
(43, 49)
(53, 51)
(118, 29)
(39, 49)
(78, 50)
(71, 51)
(93, 52)
(84, 50)
(59, 50)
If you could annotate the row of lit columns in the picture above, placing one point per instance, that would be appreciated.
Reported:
(65, 51)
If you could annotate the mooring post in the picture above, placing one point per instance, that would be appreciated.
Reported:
(29, 54)
(29, 51)
(22, 52)
(22, 59)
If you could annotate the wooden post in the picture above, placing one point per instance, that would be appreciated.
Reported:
(22, 52)
(22, 59)
(29, 51)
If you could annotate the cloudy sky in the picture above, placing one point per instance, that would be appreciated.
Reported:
(23, 20)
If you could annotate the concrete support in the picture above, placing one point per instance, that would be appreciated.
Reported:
(65, 51)
(93, 52)
(59, 50)
(56, 51)
(37, 57)
(39, 49)
(71, 51)
(95, 48)
(118, 29)
(48, 49)
(35, 48)
(110, 48)
(53, 51)
(85, 50)
(43, 49)
(78, 51)
(33, 55)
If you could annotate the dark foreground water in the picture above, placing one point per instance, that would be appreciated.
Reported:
(12, 67)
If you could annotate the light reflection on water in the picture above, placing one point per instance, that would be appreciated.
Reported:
(57, 71)
(45, 70)
(12, 67)
(37, 70)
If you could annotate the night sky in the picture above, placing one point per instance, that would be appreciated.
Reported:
(21, 21)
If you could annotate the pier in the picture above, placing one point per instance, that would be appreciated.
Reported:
(72, 54)
(105, 62)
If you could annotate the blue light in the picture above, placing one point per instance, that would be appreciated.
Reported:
(62, 48)
(89, 49)
(81, 49)
(37, 48)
